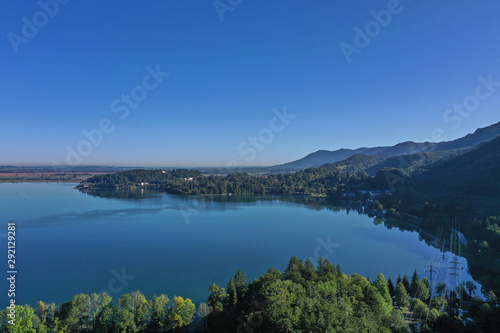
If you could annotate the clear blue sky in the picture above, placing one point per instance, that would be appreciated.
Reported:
(226, 77)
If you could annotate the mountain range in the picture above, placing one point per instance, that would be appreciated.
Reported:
(390, 156)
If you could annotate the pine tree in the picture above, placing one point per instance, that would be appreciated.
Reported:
(406, 283)
(325, 268)
(390, 286)
(401, 297)
(413, 286)
(309, 272)
(232, 294)
(381, 285)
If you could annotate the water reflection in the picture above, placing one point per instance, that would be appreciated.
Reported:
(193, 205)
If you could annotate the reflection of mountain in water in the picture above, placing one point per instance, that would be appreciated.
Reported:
(206, 202)
(226, 202)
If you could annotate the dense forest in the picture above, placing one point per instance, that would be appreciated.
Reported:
(303, 298)
(182, 181)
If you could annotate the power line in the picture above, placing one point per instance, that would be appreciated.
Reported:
(431, 270)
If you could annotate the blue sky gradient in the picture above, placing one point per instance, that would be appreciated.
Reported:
(226, 76)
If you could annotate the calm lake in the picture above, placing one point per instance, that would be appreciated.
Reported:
(68, 242)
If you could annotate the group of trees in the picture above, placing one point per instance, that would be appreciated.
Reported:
(303, 298)
(310, 181)
(98, 313)
(403, 290)
(137, 176)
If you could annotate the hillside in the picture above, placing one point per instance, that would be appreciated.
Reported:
(356, 163)
(410, 163)
(476, 172)
(319, 158)
(322, 157)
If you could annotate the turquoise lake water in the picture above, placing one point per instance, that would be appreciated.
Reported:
(68, 242)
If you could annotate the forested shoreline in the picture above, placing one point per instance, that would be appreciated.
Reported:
(302, 298)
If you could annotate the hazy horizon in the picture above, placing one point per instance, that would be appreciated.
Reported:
(132, 165)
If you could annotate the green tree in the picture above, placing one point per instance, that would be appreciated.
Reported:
(381, 285)
(184, 309)
(390, 286)
(401, 297)
(396, 321)
(441, 289)
(104, 313)
(77, 315)
(42, 311)
(140, 308)
(413, 286)
(23, 323)
(240, 281)
(422, 291)
(232, 294)
(471, 287)
(217, 298)
(125, 321)
(439, 303)
(419, 308)
(280, 297)
(325, 268)
(294, 270)
(309, 272)
(406, 283)
(159, 319)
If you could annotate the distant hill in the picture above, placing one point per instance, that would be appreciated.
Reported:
(356, 163)
(322, 157)
(319, 158)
